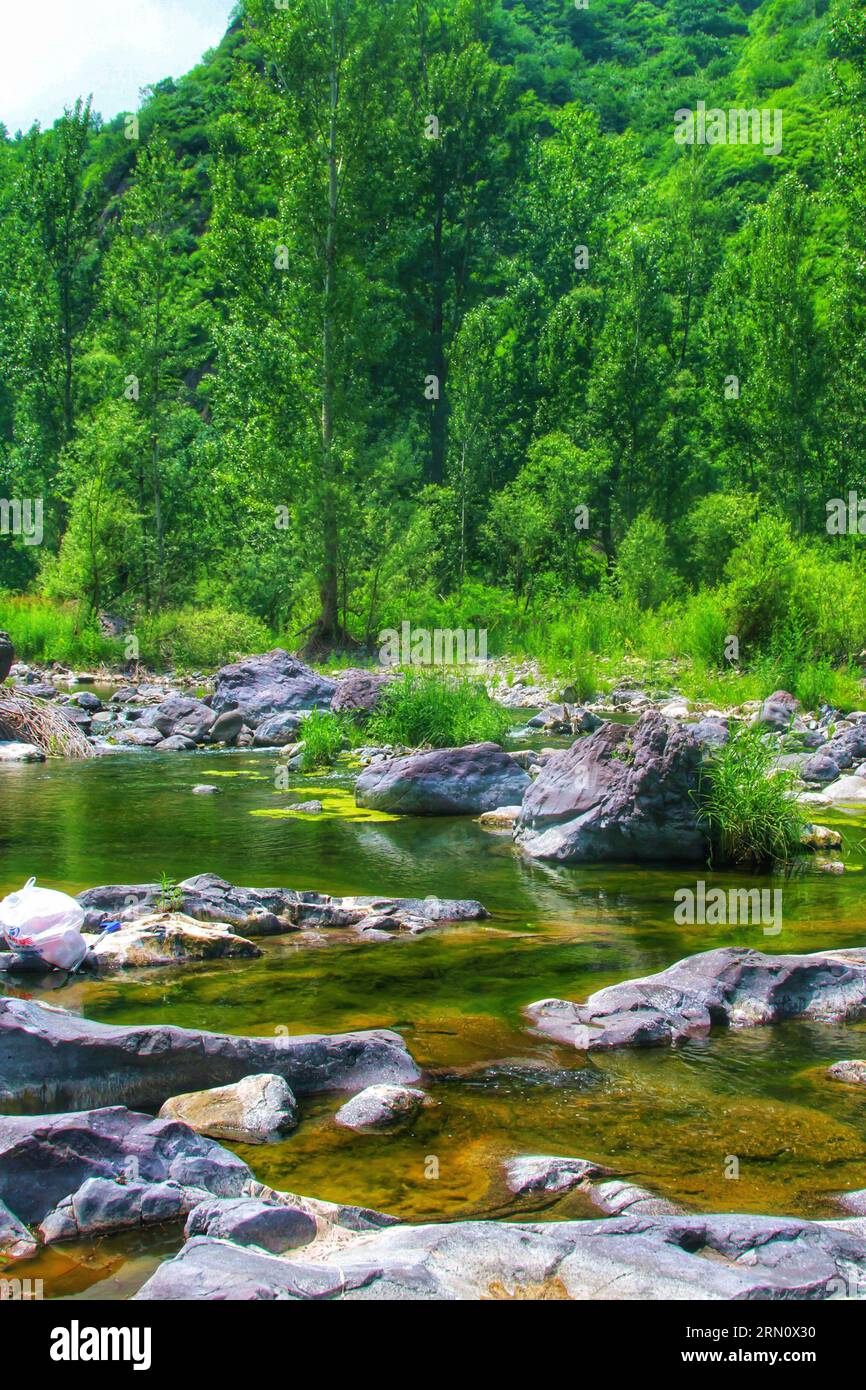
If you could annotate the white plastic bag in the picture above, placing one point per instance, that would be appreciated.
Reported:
(46, 922)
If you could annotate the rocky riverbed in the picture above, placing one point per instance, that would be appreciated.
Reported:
(339, 1074)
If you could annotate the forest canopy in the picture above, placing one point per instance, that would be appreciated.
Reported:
(395, 310)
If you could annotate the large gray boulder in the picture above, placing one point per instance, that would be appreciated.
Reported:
(180, 716)
(443, 782)
(275, 1227)
(358, 692)
(270, 684)
(51, 1058)
(733, 986)
(256, 1110)
(642, 1256)
(44, 1159)
(104, 1206)
(620, 794)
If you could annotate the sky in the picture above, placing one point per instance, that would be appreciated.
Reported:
(52, 51)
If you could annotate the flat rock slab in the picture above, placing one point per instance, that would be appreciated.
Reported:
(443, 782)
(625, 1257)
(733, 986)
(252, 912)
(47, 1158)
(50, 1058)
(168, 938)
(20, 753)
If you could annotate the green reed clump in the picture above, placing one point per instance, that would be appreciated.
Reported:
(747, 806)
(325, 735)
(437, 711)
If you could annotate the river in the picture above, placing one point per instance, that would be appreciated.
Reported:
(670, 1120)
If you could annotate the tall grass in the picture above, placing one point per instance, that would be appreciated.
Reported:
(432, 711)
(746, 805)
(325, 735)
(43, 630)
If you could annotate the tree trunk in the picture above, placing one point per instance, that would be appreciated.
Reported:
(328, 590)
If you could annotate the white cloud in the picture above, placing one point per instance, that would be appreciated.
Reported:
(52, 51)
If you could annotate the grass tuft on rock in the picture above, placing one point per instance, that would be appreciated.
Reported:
(325, 736)
(747, 805)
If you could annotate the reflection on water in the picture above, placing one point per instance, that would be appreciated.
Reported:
(670, 1120)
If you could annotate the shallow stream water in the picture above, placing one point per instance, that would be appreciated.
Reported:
(670, 1120)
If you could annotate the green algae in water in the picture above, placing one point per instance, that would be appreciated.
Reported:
(336, 801)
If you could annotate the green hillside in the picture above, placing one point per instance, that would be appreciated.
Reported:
(284, 360)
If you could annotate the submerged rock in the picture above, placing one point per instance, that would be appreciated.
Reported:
(257, 1110)
(642, 1256)
(382, 1107)
(618, 1198)
(852, 1072)
(443, 782)
(530, 1173)
(620, 794)
(734, 985)
(54, 1058)
(270, 684)
(846, 791)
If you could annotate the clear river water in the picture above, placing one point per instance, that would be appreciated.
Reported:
(670, 1120)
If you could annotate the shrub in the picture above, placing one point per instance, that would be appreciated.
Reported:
(191, 637)
(752, 820)
(762, 576)
(434, 711)
(643, 568)
(714, 527)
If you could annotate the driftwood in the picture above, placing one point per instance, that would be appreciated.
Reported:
(24, 719)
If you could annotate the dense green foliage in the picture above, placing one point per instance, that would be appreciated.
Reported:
(282, 366)
(752, 819)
